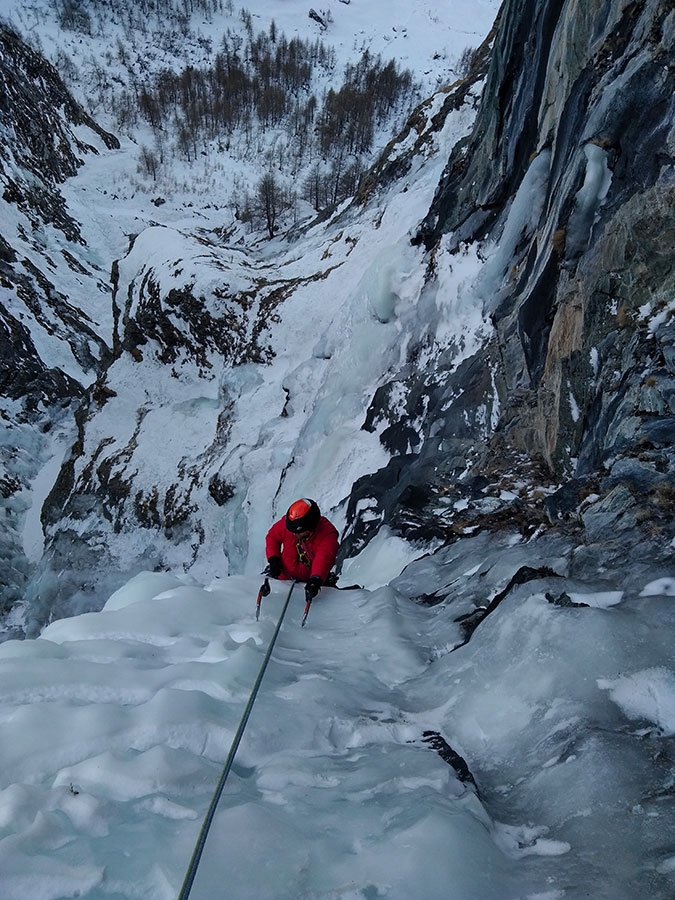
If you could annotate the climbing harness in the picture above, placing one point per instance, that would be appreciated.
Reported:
(201, 840)
(305, 556)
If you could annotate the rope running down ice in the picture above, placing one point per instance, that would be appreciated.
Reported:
(201, 840)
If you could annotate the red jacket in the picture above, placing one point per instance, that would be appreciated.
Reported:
(302, 558)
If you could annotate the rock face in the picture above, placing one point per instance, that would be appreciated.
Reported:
(42, 142)
(568, 182)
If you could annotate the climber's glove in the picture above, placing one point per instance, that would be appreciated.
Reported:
(274, 566)
(312, 587)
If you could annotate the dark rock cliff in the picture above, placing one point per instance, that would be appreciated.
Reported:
(568, 182)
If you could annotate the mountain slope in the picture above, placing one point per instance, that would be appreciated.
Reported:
(511, 365)
(194, 315)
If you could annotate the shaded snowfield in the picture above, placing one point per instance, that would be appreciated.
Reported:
(116, 726)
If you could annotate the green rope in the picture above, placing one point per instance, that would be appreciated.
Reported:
(196, 856)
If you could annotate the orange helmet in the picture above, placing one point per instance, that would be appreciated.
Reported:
(303, 515)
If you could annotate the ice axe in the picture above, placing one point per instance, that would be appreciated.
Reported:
(311, 590)
(263, 592)
(307, 606)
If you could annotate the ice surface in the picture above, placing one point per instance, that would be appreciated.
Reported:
(522, 217)
(116, 726)
(382, 559)
(589, 198)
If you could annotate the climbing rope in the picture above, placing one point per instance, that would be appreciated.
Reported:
(196, 856)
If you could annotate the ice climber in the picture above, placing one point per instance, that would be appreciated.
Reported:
(302, 545)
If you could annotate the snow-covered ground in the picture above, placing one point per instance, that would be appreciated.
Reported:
(416, 34)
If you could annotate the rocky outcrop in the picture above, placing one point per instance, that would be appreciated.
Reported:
(41, 126)
(42, 145)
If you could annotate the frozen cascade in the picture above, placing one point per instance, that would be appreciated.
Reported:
(589, 198)
(522, 219)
